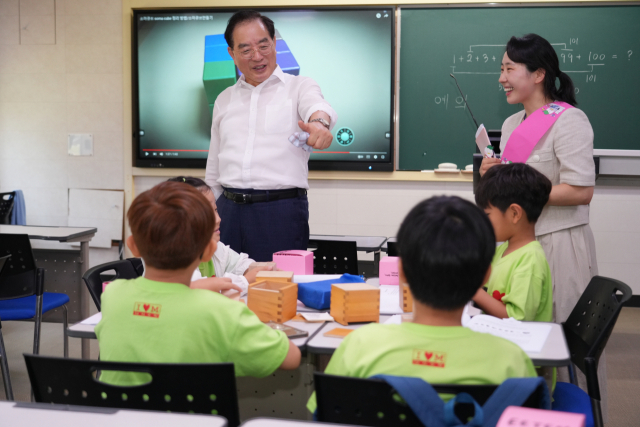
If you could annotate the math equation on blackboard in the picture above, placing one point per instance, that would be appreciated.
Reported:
(580, 63)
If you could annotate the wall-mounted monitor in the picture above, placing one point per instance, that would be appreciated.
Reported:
(181, 63)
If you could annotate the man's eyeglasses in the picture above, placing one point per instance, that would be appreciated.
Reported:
(264, 49)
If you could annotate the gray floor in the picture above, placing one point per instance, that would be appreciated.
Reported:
(623, 362)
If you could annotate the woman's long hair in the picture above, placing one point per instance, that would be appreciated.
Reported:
(537, 53)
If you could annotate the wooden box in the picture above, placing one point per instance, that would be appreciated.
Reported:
(406, 298)
(355, 302)
(273, 301)
(262, 264)
(275, 276)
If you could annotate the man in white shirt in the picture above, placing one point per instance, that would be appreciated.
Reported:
(259, 177)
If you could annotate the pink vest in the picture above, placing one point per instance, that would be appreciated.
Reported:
(525, 137)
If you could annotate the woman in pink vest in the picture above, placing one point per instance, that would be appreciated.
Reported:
(555, 138)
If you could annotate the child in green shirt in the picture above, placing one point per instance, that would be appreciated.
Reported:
(158, 318)
(226, 267)
(513, 197)
(445, 245)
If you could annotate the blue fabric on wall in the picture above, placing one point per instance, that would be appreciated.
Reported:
(318, 294)
(19, 213)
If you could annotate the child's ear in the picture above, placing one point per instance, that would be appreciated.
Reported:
(401, 276)
(132, 247)
(515, 213)
(209, 250)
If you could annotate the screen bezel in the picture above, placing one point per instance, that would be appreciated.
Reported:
(320, 165)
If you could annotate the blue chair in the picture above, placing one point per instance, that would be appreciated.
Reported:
(22, 295)
(587, 331)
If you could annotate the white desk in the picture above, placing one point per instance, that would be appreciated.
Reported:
(80, 330)
(32, 414)
(555, 351)
(60, 265)
(275, 422)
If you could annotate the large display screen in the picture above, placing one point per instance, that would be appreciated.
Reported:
(181, 64)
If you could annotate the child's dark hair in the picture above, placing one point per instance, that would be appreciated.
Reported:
(537, 53)
(519, 183)
(446, 245)
(171, 225)
(192, 181)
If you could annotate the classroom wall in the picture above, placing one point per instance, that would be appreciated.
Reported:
(376, 208)
(61, 72)
(64, 69)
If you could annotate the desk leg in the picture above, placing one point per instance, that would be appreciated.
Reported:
(376, 261)
(84, 296)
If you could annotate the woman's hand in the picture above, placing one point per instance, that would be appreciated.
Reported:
(488, 162)
(215, 284)
(251, 274)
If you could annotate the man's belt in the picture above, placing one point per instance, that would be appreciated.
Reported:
(268, 196)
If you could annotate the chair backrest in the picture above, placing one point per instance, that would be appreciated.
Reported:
(373, 402)
(18, 278)
(392, 249)
(190, 388)
(334, 257)
(591, 321)
(3, 261)
(130, 268)
(6, 207)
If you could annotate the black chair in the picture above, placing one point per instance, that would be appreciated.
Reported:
(334, 257)
(587, 331)
(189, 388)
(373, 402)
(129, 268)
(6, 207)
(392, 249)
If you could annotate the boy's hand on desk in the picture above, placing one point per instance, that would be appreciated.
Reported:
(215, 284)
(488, 162)
(251, 274)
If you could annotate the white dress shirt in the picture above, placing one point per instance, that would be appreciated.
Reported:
(250, 132)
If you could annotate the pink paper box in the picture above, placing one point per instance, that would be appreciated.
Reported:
(300, 262)
(528, 417)
(389, 271)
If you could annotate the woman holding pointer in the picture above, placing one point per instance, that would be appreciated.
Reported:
(554, 137)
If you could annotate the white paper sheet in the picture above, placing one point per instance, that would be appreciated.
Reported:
(93, 320)
(317, 317)
(300, 278)
(396, 319)
(390, 299)
(530, 336)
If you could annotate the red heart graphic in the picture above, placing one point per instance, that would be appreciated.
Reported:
(146, 307)
(497, 295)
(428, 354)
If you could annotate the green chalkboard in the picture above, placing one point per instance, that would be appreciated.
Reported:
(598, 46)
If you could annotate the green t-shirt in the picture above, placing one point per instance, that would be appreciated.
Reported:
(207, 269)
(437, 354)
(157, 322)
(522, 281)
